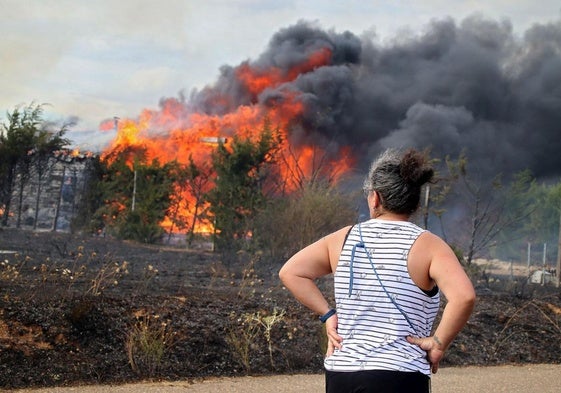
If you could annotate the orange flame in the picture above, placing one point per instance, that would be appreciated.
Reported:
(256, 81)
(173, 133)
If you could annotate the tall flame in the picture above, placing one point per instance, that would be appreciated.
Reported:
(176, 133)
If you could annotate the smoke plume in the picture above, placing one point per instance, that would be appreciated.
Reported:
(471, 86)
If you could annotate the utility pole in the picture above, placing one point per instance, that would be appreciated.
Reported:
(59, 200)
(529, 253)
(134, 192)
(427, 199)
(133, 204)
(213, 140)
(558, 267)
(544, 261)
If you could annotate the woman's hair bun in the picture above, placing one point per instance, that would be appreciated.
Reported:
(415, 169)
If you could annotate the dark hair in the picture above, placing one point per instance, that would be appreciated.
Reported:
(398, 178)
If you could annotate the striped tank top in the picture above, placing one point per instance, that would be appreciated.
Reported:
(378, 304)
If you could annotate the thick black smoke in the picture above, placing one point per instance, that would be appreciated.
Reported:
(472, 86)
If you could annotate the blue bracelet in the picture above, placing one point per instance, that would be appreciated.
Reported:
(327, 315)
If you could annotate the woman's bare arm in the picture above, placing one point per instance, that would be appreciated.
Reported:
(447, 272)
(300, 272)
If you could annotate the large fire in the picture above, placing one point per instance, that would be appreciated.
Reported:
(175, 133)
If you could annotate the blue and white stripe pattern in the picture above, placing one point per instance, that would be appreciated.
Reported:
(373, 326)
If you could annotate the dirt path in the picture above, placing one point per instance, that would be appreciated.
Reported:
(511, 379)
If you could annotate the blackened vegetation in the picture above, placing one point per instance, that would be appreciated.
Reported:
(106, 311)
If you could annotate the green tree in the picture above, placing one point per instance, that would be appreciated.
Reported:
(543, 201)
(241, 169)
(26, 143)
(485, 203)
(135, 197)
(555, 201)
(115, 189)
(92, 199)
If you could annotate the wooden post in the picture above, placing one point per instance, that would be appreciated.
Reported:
(427, 199)
(59, 199)
(558, 267)
(529, 257)
(133, 192)
(544, 259)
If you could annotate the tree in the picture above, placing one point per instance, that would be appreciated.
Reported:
(240, 169)
(542, 200)
(192, 181)
(485, 203)
(555, 200)
(538, 205)
(543, 225)
(92, 198)
(26, 141)
(135, 197)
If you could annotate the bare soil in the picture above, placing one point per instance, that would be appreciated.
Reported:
(70, 307)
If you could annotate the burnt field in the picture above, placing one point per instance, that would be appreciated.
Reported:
(77, 309)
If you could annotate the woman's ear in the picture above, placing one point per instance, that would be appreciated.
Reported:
(375, 199)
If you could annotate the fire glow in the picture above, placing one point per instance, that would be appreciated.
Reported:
(177, 133)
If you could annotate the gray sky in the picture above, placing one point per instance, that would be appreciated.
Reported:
(98, 59)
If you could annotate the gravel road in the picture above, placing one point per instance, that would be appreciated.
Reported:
(511, 379)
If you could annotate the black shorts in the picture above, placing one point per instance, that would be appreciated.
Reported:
(376, 381)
